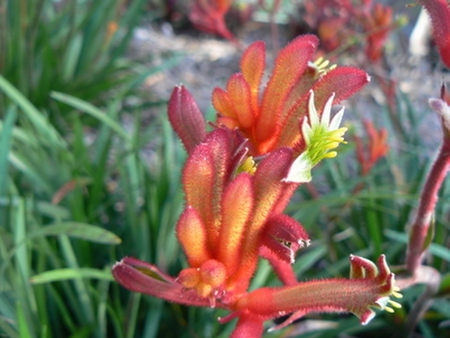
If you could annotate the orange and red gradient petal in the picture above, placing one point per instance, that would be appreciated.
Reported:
(240, 97)
(186, 119)
(204, 177)
(192, 234)
(268, 188)
(253, 62)
(237, 205)
(289, 66)
(222, 103)
(269, 185)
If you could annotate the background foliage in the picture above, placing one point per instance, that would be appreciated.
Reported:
(78, 190)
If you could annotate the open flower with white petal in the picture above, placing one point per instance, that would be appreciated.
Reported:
(320, 135)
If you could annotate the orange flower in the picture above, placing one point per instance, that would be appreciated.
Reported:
(270, 119)
(235, 202)
(208, 16)
(377, 147)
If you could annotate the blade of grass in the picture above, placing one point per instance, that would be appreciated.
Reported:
(22, 265)
(93, 111)
(22, 322)
(374, 228)
(78, 230)
(71, 274)
(86, 308)
(133, 314)
(153, 318)
(5, 146)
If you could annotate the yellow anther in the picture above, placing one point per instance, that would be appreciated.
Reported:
(321, 65)
(397, 294)
(318, 61)
(332, 145)
(395, 304)
(248, 165)
(388, 309)
(331, 154)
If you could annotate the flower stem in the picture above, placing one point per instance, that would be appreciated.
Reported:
(422, 221)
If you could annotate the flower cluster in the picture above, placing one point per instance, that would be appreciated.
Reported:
(237, 181)
(337, 22)
(375, 149)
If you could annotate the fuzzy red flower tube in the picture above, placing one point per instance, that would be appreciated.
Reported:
(439, 11)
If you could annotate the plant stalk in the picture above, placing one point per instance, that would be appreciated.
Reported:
(419, 234)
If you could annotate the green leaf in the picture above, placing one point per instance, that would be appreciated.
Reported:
(79, 230)
(71, 273)
(5, 145)
(22, 322)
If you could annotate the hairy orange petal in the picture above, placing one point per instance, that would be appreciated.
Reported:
(203, 179)
(252, 67)
(227, 122)
(268, 188)
(289, 66)
(222, 103)
(239, 93)
(269, 185)
(191, 232)
(237, 206)
(198, 181)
